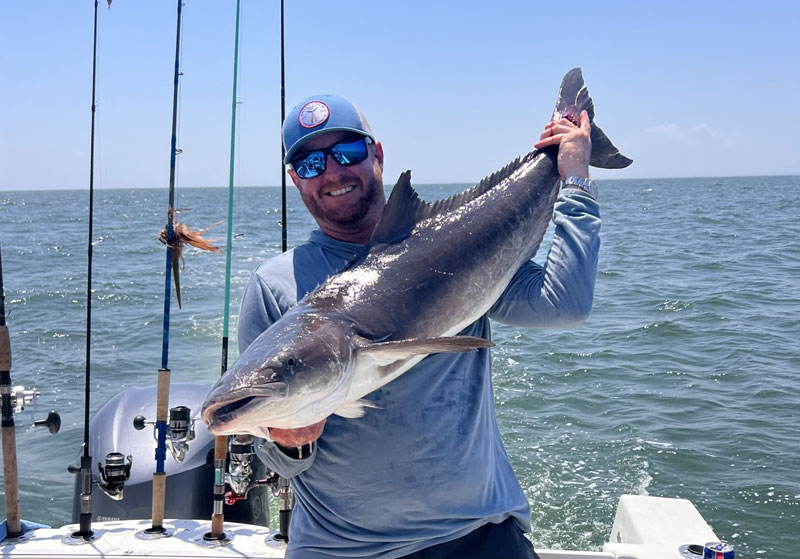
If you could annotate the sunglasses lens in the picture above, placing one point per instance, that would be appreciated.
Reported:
(312, 164)
(350, 153)
(309, 165)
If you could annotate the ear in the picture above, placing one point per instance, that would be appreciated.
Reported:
(295, 178)
(379, 154)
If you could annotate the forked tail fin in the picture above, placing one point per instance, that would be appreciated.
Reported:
(573, 97)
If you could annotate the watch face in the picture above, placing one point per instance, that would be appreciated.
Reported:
(313, 114)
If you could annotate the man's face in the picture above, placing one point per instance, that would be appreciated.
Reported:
(344, 199)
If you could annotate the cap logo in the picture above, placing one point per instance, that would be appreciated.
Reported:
(313, 114)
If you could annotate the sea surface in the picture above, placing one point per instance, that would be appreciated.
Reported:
(684, 382)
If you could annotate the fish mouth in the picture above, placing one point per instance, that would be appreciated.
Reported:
(220, 415)
(228, 411)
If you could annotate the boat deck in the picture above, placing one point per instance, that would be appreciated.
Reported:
(644, 528)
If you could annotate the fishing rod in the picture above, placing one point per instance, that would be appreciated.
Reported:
(284, 490)
(241, 447)
(226, 319)
(221, 441)
(284, 246)
(85, 532)
(162, 395)
(13, 523)
(14, 400)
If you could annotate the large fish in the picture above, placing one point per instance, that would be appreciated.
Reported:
(431, 270)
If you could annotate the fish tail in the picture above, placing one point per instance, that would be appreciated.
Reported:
(573, 98)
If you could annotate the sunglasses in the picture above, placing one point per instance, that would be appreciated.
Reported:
(348, 152)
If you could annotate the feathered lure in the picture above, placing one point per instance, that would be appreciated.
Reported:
(182, 235)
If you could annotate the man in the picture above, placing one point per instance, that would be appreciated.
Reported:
(426, 474)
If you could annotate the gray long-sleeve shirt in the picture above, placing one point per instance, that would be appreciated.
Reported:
(428, 465)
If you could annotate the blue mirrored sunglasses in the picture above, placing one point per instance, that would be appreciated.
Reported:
(348, 152)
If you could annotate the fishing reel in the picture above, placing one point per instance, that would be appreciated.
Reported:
(20, 397)
(180, 430)
(240, 472)
(239, 477)
(114, 474)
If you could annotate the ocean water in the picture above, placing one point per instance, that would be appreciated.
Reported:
(682, 383)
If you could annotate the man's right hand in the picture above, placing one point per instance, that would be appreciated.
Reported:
(292, 438)
(575, 145)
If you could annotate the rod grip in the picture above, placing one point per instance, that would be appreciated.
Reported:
(162, 395)
(220, 455)
(217, 521)
(220, 447)
(5, 348)
(159, 495)
(10, 481)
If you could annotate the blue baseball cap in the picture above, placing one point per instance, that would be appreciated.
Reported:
(319, 114)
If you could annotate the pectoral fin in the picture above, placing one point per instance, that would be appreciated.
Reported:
(354, 410)
(385, 353)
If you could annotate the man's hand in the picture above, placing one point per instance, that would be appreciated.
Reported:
(575, 145)
(291, 438)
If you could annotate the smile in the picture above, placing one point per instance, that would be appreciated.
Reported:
(341, 191)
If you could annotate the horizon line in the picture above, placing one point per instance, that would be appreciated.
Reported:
(82, 189)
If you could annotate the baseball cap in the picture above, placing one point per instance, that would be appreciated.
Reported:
(319, 114)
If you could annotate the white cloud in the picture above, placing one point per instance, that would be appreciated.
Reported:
(676, 150)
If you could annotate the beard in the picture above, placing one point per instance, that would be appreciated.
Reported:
(350, 214)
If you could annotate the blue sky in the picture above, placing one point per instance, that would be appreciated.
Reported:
(454, 90)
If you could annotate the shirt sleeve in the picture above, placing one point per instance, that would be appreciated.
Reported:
(560, 293)
(259, 310)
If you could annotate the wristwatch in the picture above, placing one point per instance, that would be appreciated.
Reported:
(588, 186)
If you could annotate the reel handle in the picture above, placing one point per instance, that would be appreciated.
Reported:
(52, 422)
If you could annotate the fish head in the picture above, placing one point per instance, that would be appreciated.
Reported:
(293, 375)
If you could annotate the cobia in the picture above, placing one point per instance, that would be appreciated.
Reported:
(431, 270)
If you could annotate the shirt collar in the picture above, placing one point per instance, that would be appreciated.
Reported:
(349, 251)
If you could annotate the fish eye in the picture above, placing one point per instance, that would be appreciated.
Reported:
(291, 362)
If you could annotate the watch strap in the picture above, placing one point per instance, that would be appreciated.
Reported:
(588, 186)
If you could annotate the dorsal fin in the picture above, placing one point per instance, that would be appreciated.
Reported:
(405, 208)
(457, 200)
